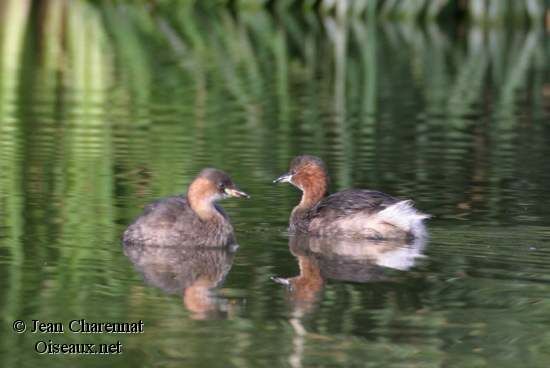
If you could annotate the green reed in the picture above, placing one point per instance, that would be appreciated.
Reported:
(100, 59)
(479, 11)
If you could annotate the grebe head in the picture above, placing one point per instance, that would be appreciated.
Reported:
(212, 185)
(306, 173)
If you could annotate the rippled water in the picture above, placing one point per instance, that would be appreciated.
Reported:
(105, 109)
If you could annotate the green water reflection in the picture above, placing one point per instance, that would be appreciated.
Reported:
(104, 108)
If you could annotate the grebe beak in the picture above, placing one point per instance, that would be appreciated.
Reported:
(280, 280)
(285, 178)
(233, 192)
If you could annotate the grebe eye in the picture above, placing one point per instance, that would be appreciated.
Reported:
(221, 186)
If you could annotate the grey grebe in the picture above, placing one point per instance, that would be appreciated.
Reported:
(353, 213)
(191, 220)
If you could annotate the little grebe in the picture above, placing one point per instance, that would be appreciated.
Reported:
(192, 220)
(353, 213)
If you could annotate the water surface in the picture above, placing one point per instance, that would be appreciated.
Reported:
(104, 109)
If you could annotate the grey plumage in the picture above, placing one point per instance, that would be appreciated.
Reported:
(172, 222)
(351, 201)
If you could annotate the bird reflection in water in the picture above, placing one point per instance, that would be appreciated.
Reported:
(195, 273)
(360, 261)
(321, 259)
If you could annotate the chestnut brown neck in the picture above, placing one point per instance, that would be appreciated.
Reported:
(314, 189)
(201, 199)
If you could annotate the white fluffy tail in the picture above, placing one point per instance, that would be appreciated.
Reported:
(404, 216)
